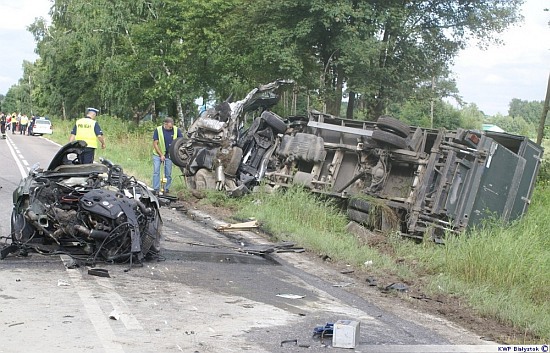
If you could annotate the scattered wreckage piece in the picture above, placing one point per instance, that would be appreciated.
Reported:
(92, 212)
(419, 182)
(238, 226)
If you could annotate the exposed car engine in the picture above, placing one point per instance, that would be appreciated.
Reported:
(93, 212)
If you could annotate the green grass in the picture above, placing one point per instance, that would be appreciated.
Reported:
(314, 223)
(502, 272)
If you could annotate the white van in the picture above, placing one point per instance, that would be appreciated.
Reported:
(42, 126)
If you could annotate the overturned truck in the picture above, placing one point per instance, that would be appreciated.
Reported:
(391, 176)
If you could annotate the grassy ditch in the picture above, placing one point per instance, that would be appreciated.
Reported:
(501, 272)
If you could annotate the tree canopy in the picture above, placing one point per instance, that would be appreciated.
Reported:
(134, 58)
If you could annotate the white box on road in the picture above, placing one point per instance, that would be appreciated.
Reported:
(345, 333)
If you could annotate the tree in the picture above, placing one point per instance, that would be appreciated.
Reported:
(528, 110)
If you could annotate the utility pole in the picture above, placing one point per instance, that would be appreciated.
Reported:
(542, 122)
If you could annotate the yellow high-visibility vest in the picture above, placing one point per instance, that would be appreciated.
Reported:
(85, 131)
(162, 144)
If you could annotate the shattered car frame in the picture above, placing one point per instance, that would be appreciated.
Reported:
(92, 212)
(391, 176)
(218, 154)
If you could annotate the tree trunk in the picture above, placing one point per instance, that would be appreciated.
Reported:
(334, 100)
(180, 122)
(63, 110)
(351, 105)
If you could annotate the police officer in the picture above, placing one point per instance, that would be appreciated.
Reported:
(88, 130)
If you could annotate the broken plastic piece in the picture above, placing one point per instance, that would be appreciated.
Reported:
(100, 272)
(400, 287)
(114, 315)
(62, 283)
(289, 341)
(323, 331)
(371, 281)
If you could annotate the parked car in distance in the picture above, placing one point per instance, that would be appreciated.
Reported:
(42, 126)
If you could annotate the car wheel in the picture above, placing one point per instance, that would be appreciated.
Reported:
(178, 153)
(235, 161)
(276, 123)
(389, 124)
(389, 139)
(204, 180)
(21, 231)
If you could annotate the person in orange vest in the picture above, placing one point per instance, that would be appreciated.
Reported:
(162, 139)
(88, 130)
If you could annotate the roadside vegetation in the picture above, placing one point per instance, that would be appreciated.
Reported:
(502, 272)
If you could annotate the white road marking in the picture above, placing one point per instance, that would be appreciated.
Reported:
(97, 317)
(119, 305)
(13, 148)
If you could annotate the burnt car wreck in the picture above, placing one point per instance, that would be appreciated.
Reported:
(391, 176)
(92, 212)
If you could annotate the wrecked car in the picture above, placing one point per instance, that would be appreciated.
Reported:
(93, 212)
(219, 154)
(390, 176)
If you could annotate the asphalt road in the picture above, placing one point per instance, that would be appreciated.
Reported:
(203, 296)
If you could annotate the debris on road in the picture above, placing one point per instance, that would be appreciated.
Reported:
(291, 296)
(100, 272)
(371, 281)
(323, 331)
(114, 315)
(238, 226)
(62, 283)
(398, 286)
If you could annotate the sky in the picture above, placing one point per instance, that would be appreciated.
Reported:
(489, 78)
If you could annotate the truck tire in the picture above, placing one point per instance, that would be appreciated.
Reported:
(389, 124)
(359, 204)
(357, 216)
(389, 138)
(276, 123)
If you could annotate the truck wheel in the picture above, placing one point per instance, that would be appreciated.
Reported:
(389, 124)
(235, 162)
(357, 216)
(359, 204)
(389, 139)
(178, 153)
(276, 123)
